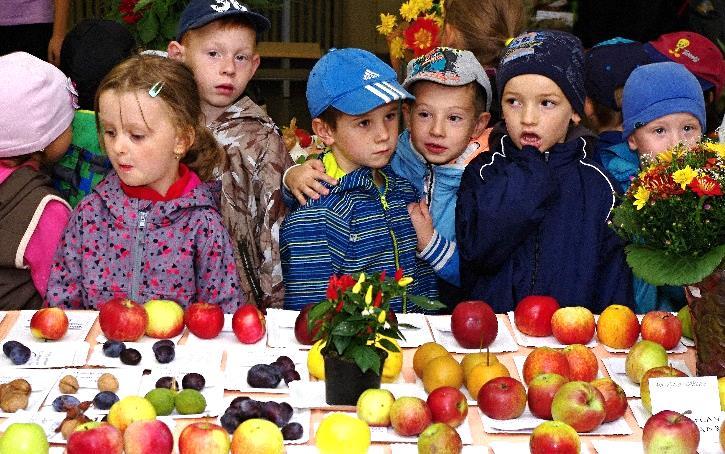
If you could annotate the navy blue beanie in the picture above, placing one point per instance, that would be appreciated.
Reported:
(550, 53)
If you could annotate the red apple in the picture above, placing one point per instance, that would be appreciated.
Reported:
(533, 315)
(302, 332)
(615, 401)
(248, 324)
(410, 416)
(542, 360)
(122, 319)
(669, 431)
(580, 405)
(618, 326)
(662, 327)
(655, 372)
(49, 323)
(448, 405)
(95, 437)
(541, 393)
(474, 324)
(165, 318)
(573, 325)
(502, 398)
(583, 365)
(148, 437)
(204, 320)
(554, 437)
(204, 438)
(439, 438)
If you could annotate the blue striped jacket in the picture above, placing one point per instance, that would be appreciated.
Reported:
(356, 227)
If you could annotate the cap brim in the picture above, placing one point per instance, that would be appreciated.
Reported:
(657, 57)
(261, 24)
(369, 97)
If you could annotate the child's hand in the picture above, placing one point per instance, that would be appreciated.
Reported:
(422, 222)
(304, 180)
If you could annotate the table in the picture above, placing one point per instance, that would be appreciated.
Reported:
(480, 438)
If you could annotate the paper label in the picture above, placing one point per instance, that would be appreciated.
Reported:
(681, 394)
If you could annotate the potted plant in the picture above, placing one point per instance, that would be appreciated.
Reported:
(356, 326)
(673, 216)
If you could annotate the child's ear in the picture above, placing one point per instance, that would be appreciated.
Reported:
(632, 142)
(324, 131)
(184, 140)
(576, 118)
(255, 62)
(406, 114)
(481, 124)
(176, 50)
(588, 107)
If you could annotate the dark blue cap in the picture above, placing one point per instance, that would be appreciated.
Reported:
(607, 67)
(200, 12)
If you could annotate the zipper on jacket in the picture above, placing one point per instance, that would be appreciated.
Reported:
(384, 202)
(137, 255)
(431, 184)
(546, 156)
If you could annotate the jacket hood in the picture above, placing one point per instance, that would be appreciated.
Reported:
(579, 143)
(416, 166)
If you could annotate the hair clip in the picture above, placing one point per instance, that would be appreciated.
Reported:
(73, 93)
(508, 41)
(156, 89)
(638, 125)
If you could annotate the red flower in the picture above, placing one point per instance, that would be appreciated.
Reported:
(340, 284)
(421, 36)
(398, 274)
(660, 184)
(129, 16)
(704, 186)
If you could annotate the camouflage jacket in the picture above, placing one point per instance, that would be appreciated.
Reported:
(251, 200)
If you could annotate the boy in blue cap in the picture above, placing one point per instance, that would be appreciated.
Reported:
(362, 224)
(532, 214)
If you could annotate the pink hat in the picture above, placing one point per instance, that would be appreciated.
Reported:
(36, 104)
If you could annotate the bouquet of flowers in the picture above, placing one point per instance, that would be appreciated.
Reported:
(300, 144)
(355, 319)
(417, 33)
(673, 215)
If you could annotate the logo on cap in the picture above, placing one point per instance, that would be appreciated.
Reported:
(385, 91)
(224, 5)
(679, 47)
(370, 75)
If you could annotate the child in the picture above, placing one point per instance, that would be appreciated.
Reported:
(150, 229)
(217, 42)
(36, 111)
(606, 68)
(532, 214)
(362, 225)
(89, 51)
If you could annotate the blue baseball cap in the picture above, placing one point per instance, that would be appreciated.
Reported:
(200, 12)
(353, 81)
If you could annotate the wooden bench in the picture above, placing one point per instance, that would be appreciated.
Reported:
(286, 51)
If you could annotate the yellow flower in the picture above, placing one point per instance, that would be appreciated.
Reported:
(435, 18)
(718, 148)
(410, 10)
(387, 23)
(397, 48)
(405, 281)
(665, 157)
(641, 197)
(442, 4)
(381, 317)
(369, 296)
(684, 176)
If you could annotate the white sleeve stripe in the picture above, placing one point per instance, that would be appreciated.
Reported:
(445, 258)
(493, 158)
(614, 198)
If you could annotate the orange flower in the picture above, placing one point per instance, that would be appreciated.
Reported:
(422, 36)
(704, 186)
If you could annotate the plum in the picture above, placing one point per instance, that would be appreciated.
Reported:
(104, 400)
(65, 402)
(291, 375)
(263, 376)
(238, 401)
(130, 356)
(292, 431)
(162, 343)
(17, 352)
(167, 382)
(113, 349)
(250, 408)
(286, 363)
(193, 381)
(164, 354)
(230, 421)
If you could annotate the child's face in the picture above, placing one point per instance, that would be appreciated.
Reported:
(664, 133)
(536, 111)
(140, 139)
(442, 120)
(223, 60)
(366, 140)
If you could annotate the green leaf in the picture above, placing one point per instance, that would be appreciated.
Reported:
(141, 5)
(387, 345)
(425, 303)
(148, 27)
(345, 328)
(366, 358)
(168, 29)
(318, 311)
(341, 343)
(659, 268)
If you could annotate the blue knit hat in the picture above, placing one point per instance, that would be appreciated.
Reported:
(658, 89)
(608, 66)
(550, 53)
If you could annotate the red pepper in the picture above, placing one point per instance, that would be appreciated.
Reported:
(339, 306)
(378, 299)
(398, 274)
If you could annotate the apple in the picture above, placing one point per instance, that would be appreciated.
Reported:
(554, 437)
(615, 400)
(542, 360)
(302, 332)
(373, 406)
(502, 398)
(573, 325)
(439, 438)
(583, 365)
(474, 324)
(248, 324)
(95, 437)
(541, 393)
(662, 327)
(580, 405)
(643, 356)
(49, 323)
(655, 372)
(410, 416)
(671, 432)
(203, 438)
(532, 315)
(128, 410)
(204, 320)
(24, 438)
(122, 319)
(165, 319)
(686, 320)
(148, 437)
(618, 327)
(448, 405)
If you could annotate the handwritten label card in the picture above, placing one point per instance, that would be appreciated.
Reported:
(79, 324)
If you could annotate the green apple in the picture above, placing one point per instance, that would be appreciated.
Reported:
(24, 438)
(686, 320)
(643, 356)
(373, 407)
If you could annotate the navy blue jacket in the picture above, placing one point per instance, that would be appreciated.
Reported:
(532, 223)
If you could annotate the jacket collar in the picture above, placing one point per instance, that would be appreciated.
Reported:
(578, 144)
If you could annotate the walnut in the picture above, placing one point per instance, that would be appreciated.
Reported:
(68, 427)
(68, 385)
(107, 382)
(19, 385)
(13, 401)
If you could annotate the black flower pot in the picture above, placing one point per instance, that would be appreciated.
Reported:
(344, 381)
